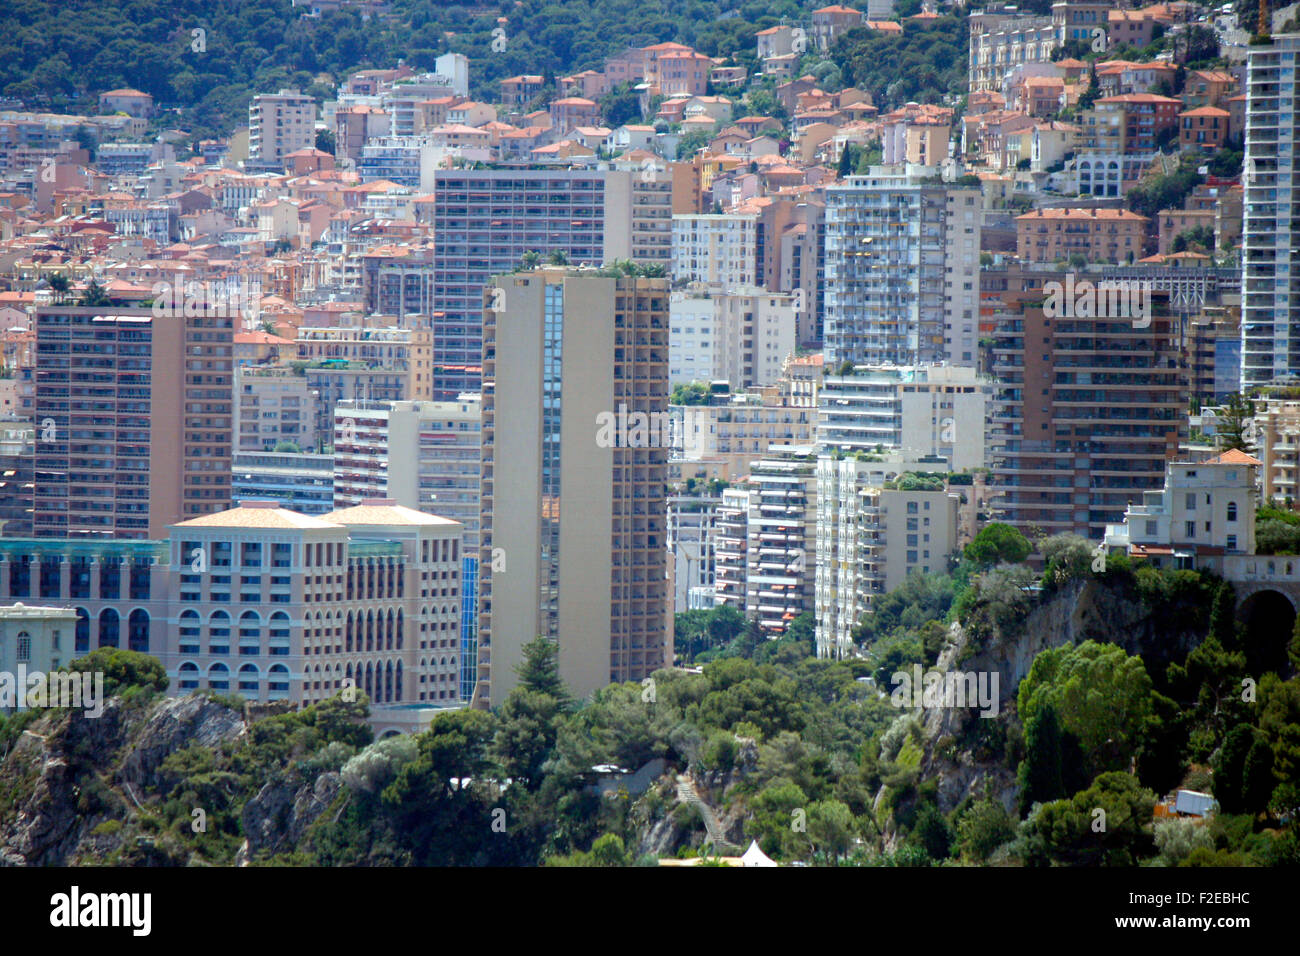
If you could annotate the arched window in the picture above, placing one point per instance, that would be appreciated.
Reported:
(278, 681)
(219, 633)
(24, 647)
(250, 634)
(347, 633)
(400, 628)
(189, 676)
(137, 631)
(249, 680)
(110, 626)
(190, 628)
(219, 676)
(397, 687)
(1232, 511)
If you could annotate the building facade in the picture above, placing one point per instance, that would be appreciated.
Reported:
(1087, 412)
(134, 420)
(1270, 306)
(902, 269)
(573, 537)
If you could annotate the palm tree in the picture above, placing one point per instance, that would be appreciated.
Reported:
(95, 295)
(59, 286)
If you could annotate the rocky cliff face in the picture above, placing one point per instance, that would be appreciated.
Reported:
(70, 783)
(1080, 611)
(277, 818)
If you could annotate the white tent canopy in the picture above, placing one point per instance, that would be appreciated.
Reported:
(756, 857)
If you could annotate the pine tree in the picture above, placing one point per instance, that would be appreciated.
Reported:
(1223, 616)
(540, 669)
(1293, 649)
(846, 161)
(1234, 422)
(1040, 774)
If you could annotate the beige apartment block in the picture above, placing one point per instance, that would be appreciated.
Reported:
(267, 603)
(273, 405)
(280, 124)
(1276, 437)
(1203, 510)
(37, 638)
(1112, 236)
(133, 418)
(276, 605)
(423, 455)
(740, 430)
(573, 527)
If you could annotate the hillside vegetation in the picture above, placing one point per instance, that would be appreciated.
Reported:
(58, 56)
(1115, 687)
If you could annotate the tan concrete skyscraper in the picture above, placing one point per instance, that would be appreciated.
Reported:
(575, 451)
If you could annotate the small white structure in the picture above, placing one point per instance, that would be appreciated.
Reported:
(756, 857)
(1193, 803)
(38, 638)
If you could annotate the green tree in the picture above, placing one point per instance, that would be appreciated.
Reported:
(1233, 422)
(932, 833)
(1040, 773)
(1279, 722)
(59, 287)
(726, 624)
(621, 105)
(122, 669)
(1103, 697)
(1074, 833)
(1243, 771)
(1223, 616)
(997, 543)
(847, 161)
(778, 820)
(983, 828)
(94, 296)
(831, 828)
(526, 734)
(540, 669)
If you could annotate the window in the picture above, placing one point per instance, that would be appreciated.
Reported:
(24, 648)
(1189, 527)
(1232, 542)
(1232, 511)
(1189, 501)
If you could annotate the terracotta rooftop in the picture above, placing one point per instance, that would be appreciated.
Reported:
(260, 514)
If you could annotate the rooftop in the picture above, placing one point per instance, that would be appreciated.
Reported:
(266, 515)
(386, 512)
